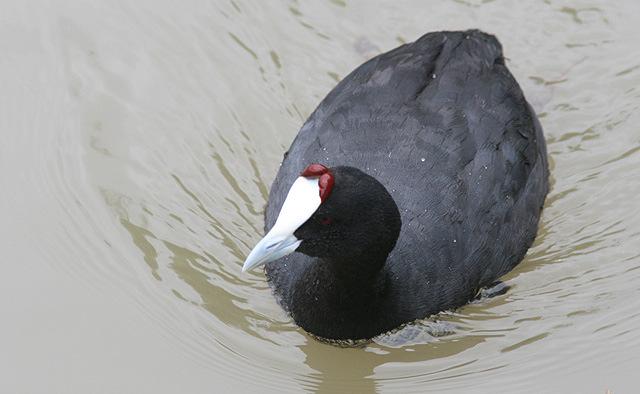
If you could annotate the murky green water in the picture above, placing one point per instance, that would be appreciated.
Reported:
(138, 141)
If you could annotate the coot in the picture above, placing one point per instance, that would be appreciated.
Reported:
(416, 182)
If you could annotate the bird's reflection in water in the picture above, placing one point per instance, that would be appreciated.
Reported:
(354, 369)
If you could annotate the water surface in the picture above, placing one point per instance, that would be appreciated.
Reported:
(138, 141)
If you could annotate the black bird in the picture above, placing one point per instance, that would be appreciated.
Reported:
(433, 177)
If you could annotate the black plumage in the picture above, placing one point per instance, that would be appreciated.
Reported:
(444, 127)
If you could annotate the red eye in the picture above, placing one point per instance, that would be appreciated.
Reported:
(326, 220)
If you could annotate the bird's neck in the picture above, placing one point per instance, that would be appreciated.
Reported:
(338, 299)
(361, 275)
